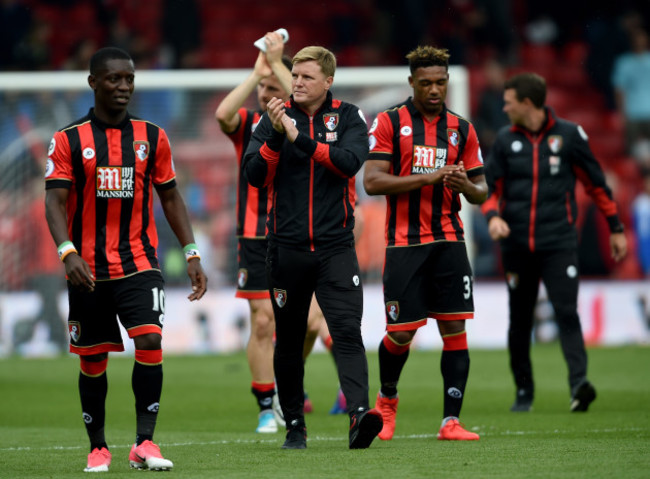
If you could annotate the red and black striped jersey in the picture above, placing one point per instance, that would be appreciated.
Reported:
(110, 172)
(252, 203)
(414, 145)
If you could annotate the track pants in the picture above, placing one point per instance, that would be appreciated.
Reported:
(334, 276)
(559, 271)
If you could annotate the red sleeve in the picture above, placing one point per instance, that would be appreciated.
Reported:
(381, 138)
(272, 159)
(471, 156)
(59, 159)
(163, 171)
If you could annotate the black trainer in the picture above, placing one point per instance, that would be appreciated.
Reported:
(364, 427)
(523, 401)
(583, 396)
(296, 436)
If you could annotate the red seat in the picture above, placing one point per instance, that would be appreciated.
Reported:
(536, 57)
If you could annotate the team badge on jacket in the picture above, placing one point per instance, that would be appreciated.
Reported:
(555, 143)
(331, 120)
(392, 310)
(141, 149)
(280, 296)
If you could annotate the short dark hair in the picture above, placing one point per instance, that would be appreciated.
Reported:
(427, 56)
(101, 56)
(528, 85)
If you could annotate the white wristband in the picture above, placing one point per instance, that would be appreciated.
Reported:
(191, 251)
(65, 249)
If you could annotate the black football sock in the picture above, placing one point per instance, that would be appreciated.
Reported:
(263, 393)
(146, 381)
(92, 391)
(454, 366)
(391, 365)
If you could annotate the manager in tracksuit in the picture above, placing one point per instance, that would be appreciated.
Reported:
(308, 151)
(531, 209)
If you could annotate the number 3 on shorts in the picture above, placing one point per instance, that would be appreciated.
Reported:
(467, 282)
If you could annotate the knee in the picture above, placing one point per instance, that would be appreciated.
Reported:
(262, 324)
(401, 337)
(148, 341)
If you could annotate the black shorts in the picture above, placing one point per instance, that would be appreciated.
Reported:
(432, 280)
(138, 301)
(251, 277)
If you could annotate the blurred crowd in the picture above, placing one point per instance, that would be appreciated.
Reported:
(596, 61)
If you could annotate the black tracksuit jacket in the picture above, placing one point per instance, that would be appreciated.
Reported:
(531, 179)
(312, 181)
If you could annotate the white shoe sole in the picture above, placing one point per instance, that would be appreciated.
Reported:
(102, 468)
(154, 464)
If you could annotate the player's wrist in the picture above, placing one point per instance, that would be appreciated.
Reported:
(191, 252)
(65, 249)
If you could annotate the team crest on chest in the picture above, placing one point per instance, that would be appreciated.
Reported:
(453, 137)
(141, 149)
(280, 296)
(555, 143)
(331, 121)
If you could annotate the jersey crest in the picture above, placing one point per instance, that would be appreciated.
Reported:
(141, 149)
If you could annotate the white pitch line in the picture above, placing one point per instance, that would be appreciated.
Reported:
(318, 439)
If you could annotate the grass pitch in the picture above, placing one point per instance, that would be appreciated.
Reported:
(207, 420)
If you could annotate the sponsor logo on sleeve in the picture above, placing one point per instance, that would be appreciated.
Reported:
(49, 167)
(372, 142)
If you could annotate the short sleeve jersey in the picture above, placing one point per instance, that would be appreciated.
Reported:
(110, 172)
(414, 145)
